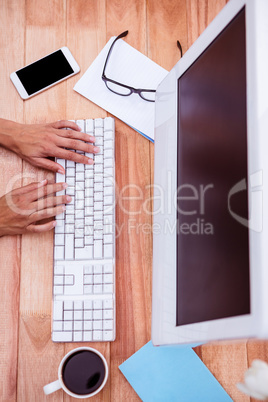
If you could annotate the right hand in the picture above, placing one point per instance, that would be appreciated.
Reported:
(21, 209)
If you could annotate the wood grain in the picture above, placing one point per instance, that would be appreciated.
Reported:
(133, 247)
(11, 56)
(35, 343)
(86, 36)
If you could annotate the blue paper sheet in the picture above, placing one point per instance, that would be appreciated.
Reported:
(170, 374)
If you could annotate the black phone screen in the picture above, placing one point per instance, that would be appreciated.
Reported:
(44, 72)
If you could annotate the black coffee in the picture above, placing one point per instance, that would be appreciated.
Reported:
(83, 372)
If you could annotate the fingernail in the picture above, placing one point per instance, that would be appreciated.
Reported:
(54, 223)
(92, 139)
(63, 207)
(68, 198)
(61, 171)
(42, 183)
(96, 149)
(65, 185)
(90, 161)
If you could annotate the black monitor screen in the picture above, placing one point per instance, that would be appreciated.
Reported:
(212, 200)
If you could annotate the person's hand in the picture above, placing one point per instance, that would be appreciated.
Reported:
(21, 209)
(35, 142)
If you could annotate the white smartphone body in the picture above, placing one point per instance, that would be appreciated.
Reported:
(44, 73)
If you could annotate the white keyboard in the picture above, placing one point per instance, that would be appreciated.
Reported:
(84, 244)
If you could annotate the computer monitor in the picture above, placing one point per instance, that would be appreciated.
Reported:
(210, 234)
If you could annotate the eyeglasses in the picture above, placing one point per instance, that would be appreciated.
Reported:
(125, 90)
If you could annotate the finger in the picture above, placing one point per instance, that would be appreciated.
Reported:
(77, 145)
(73, 156)
(51, 201)
(46, 190)
(48, 164)
(74, 134)
(66, 124)
(29, 187)
(41, 228)
(46, 213)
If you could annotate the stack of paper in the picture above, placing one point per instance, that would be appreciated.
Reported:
(130, 67)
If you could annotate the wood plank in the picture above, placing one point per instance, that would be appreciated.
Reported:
(11, 57)
(86, 36)
(167, 23)
(227, 361)
(199, 14)
(45, 32)
(133, 248)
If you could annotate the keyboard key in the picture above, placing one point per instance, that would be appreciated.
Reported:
(68, 305)
(58, 310)
(97, 248)
(108, 268)
(68, 326)
(108, 324)
(68, 316)
(58, 280)
(108, 288)
(81, 124)
(108, 163)
(97, 325)
(89, 126)
(108, 336)
(58, 270)
(108, 135)
(108, 251)
(78, 336)
(98, 123)
(85, 253)
(108, 314)
(57, 325)
(88, 289)
(97, 270)
(108, 124)
(88, 336)
(88, 315)
(62, 336)
(97, 335)
(88, 304)
(69, 246)
(97, 289)
(88, 325)
(108, 304)
(78, 305)
(59, 253)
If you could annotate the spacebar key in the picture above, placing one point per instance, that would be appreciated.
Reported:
(98, 249)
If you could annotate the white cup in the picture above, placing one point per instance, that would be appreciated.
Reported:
(58, 384)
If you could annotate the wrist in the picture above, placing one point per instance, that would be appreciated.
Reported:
(9, 132)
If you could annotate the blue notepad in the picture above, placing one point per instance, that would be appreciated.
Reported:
(171, 373)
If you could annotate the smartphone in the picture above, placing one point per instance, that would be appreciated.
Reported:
(44, 73)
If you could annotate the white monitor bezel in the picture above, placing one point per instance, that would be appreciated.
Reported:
(255, 324)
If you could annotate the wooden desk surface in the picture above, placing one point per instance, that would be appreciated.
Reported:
(30, 29)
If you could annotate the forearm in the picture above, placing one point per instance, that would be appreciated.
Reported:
(9, 131)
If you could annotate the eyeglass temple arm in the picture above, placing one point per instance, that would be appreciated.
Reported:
(122, 35)
(179, 46)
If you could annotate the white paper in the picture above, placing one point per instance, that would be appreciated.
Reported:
(130, 67)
